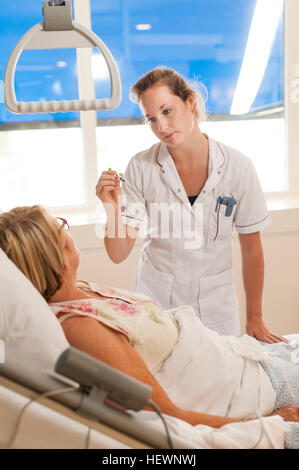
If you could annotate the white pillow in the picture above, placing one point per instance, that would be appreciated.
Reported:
(28, 327)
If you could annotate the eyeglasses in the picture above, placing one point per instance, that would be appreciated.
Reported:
(63, 223)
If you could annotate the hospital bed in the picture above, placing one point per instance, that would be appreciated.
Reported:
(41, 409)
(70, 419)
(50, 425)
(34, 342)
(32, 415)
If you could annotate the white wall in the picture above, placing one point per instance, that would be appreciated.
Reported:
(281, 289)
(280, 239)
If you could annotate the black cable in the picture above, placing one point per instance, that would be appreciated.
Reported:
(156, 409)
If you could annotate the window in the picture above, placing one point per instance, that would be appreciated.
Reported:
(204, 40)
(42, 166)
(57, 157)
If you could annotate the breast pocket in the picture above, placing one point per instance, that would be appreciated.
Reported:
(154, 283)
(221, 226)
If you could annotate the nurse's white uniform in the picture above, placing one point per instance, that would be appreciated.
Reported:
(193, 267)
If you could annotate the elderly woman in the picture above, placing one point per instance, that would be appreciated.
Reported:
(219, 380)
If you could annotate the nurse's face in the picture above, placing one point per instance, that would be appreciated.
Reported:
(171, 119)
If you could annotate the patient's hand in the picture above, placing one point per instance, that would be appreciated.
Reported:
(288, 413)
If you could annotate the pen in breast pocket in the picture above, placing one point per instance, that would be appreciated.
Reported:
(218, 202)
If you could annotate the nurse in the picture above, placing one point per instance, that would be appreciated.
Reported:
(191, 190)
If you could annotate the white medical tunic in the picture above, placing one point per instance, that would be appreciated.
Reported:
(186, 255)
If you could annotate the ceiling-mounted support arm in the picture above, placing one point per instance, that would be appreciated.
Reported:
(54, 3)
(57, 15)
(69, 34)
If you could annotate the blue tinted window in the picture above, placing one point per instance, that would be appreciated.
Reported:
(40, 74)
(202, 39)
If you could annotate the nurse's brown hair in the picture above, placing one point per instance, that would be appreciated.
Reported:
(32, 239)
(177, 85)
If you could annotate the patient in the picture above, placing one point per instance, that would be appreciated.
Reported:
(230, 377)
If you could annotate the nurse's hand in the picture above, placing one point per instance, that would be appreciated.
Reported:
(255, 327)
(108, 187)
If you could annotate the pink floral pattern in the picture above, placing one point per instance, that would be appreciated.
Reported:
(117, 308)
(84, 306)
(123, 307)
(150, 331)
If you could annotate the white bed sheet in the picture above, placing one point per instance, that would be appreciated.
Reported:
(44, 428)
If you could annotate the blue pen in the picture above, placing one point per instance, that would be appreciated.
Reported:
(218, 202)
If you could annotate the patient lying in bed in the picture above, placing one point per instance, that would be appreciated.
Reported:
(195, 374)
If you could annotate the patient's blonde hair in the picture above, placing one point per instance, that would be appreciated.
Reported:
(33, 241)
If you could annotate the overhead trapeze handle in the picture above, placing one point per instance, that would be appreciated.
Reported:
(78, 36)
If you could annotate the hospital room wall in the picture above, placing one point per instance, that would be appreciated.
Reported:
(281, 289)
(280, 238)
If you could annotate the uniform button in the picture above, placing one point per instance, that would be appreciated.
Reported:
(204, 192)
(163, 171)
(179, 190)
